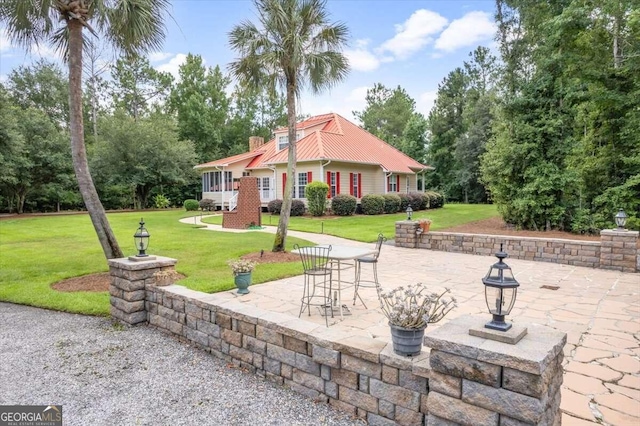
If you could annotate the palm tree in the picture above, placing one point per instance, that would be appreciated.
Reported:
(294, 46)
(133, 26)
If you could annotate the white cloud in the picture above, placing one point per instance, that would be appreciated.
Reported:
(173, 66)
(426, 101)
(159, 56)
(360, 58)
(414, 33)
(472, 28)
(5, 43)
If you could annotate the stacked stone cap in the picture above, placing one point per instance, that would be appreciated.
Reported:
(475, 381)
(531, 355)
(127, 290)
(138, 265)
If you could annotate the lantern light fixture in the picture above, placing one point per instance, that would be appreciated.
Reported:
(141, 238)
(409, 212)
(621, 219)
(501, 288)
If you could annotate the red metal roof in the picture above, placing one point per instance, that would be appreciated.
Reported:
(339, 140)
(229, 160)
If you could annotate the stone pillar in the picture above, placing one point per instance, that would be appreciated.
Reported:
(476, 381)
(128, 281)
(406, 235)
(619, 250)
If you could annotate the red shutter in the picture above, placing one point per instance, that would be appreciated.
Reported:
(398, 183)
(388, 183)
(337, 182)
(284, 183)
(328, 182)
(359, 185)
(309, 177)
(351, 183)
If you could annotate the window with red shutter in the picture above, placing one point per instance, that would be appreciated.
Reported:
(350, 183)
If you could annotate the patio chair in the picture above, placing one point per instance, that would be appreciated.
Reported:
(317, 279)
(369, 260)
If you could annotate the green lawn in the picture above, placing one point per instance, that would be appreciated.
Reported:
(366, 228)
(37, 252)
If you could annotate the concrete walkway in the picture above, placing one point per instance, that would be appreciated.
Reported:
(598, 309)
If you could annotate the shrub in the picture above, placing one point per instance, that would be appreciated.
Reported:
(274, 206)
(297, 207)
(417, 200)
(207, 204)
(583, 222)
(372, 204)
(343, 204)
(191, 205)
(316, 195)
(391, 203)
(161, 202)
(404, 202)
(436, 200)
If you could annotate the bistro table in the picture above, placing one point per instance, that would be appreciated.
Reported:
(341, 255)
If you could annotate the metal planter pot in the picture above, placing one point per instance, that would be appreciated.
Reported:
(407, 341)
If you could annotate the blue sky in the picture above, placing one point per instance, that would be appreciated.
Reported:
(413, 44)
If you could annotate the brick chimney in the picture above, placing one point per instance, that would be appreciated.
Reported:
(255, 142)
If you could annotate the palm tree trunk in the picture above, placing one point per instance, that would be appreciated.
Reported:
(287, 195)
(78, 151)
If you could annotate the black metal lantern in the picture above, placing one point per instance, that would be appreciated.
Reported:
(409, 212)
(141, 238)
(621, 219)
(500, 292)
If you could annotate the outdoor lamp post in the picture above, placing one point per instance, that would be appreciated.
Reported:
(409, 212)
(621, 219)
(141, 238)
(500, 292)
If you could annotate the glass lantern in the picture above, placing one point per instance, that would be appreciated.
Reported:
(141, 238)
(621, 219)
(500, 292)
(409, 212)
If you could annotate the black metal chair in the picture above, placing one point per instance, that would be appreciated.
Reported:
(371, 260)
(317, 277)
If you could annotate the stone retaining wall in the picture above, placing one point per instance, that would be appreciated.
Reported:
(618, 250)
(463, 382)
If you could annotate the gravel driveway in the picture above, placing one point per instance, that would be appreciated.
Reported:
(107, 375)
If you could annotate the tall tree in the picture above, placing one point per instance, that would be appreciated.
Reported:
(253, 113)
(294, 45)
(478, 114)
(96, 63)
(42, 85)
(142, 155)
(387, 113)
(202, 106)
(131, 26)
(414, 138)
(446, 126)
(136, 85)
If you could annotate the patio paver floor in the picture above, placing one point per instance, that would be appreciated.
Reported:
(598, 309)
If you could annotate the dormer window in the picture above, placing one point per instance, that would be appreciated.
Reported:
(283, 140)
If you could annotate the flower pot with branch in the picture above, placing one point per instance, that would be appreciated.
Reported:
(242, 269)
(409, 310)
(425, 225)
